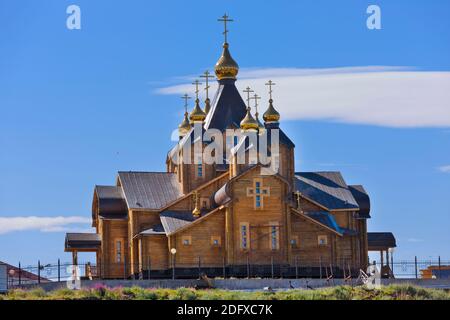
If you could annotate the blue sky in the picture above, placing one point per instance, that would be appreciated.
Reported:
(79, 105)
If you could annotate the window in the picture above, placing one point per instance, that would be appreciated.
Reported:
(245, 236)
(118, 251)
(274, 236)
(186, 240)
(322, 240)
(204, 203)
(258, 201)
(294, 242)
(235, 140)
(215, 241)
(199, 170)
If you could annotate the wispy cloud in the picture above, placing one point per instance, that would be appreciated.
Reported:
(415, 240)
(372, 95)
(43, 224)
(445, 169)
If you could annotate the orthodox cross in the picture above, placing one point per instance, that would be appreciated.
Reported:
(270, 83)
(185, 98)
(248, 91)
(207, 75)
(298, 197)
(258, 192)
(196, 83)
(256, 98)
(225, 19)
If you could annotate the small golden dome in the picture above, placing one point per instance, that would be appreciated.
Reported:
(226, 67)
(196, 212)
(197, 115)
(249, 123)
(271, 115)
(207, 105)
(184, 126)
(261, 127)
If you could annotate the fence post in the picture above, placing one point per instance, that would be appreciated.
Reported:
(415, 265)
(59, 270)
(39, 271)
(124, 268)
(320, 266)
(296, 267)
(148, 267)
(199, 267)
(223, 266)
(271, 264)
(439, 262)
(20, 274)
(248, 267)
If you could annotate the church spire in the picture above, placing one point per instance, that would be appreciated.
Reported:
(184, 126)
(271, 115)
(207, 75)
(197, 114)
(226, 67)
(261, 127)
(249, 123)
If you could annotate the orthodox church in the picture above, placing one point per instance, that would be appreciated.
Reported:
(228, 218)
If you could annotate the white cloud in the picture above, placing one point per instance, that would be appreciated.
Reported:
(445, 169)
(372, 95)
(415, 240)
(44, 224)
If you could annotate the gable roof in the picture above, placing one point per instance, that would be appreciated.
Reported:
(327, 189)
(149, 190)
(326, 219)
(363, 200)
(111, 202)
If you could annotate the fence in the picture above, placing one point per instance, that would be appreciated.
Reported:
(320, 268)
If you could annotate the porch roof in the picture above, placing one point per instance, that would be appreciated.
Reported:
(82, 242)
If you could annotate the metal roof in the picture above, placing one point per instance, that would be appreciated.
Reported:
(326, 219)
(227, 108)
(149, 190)
(325, 188)
(174, 220)
(381, 240)
(111, 202)
(156, 229)
(363, 200)
(82, 241)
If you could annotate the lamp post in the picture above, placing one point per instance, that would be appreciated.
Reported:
(173, 251)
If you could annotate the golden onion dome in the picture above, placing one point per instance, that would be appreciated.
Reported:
(207, 105)
(226, 67)
(271, 115)
(261, 127)
(249, 123)
(184, 126)
(196, 212)
(197, 114)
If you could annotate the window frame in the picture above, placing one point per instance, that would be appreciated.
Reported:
(246, 236)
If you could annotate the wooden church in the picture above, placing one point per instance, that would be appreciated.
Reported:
(227, 219)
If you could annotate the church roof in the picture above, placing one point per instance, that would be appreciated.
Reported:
(228, 109)
(378, 240)
(174, 220)
(111, 202)
(326, 219)
(149, 190)
(327, 189)
(363, 200)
